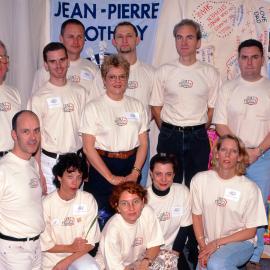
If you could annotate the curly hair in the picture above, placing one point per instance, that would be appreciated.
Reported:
(130, 187)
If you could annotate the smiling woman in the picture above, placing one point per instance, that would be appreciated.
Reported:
(114, 141)
(226, 208)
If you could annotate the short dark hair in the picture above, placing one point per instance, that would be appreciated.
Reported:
(250, 43)
(69, 162)
(130, 187)
(164, 158)
(53, 46)
(14, 120)
(125, 23)
(2, 44)
(191, 23)
(70, 21)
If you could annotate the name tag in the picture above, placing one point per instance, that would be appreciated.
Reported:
(54, 102)
(132, 116)
(86, 75)
(56, 222)
(232, 194)
(79, 209)
(177, 211)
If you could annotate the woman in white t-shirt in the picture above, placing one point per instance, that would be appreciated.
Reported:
(131, 239)
(114, 132)
(226, 208)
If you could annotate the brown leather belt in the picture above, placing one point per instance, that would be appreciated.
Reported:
(120, 155)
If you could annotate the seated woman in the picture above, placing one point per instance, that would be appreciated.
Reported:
(131, 239)
(226, 208)
(71, 219)
(171, 203)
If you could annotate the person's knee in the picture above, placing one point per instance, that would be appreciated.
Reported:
(215, 263)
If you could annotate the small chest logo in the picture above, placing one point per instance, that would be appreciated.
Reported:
(221, 202)
(5, 106)
(251, 100)
(186, 83)
(121, 121)
(69, 107)
(132, 84)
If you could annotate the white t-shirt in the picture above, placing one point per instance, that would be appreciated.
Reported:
(185, 92)
(66, 220)
(140, 83)
(116, 125)
(172, 210)
(59, 110)
(122, 243)
(81, 71)
(21, 213)
(10, 103)
(245, 108)
(226, 206)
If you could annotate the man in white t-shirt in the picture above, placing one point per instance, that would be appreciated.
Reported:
(243, 109)
(10, 103)
(81, 71)
(59, 104)
(21, 214)
(183, 101)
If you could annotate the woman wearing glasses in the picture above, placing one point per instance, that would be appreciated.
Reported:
(114, 135)
(131, 239)
(226, 208)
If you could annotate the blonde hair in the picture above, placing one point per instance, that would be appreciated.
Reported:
(242, 164)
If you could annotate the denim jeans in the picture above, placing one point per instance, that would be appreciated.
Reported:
(191, 148)
(230, 256)
(259, 172)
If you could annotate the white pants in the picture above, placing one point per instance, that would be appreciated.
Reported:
(47, 164)
(86, 262)
(20, 255)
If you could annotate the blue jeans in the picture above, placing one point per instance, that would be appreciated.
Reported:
(145, 168)
(259, 172)
(230, 256)
(190, 147)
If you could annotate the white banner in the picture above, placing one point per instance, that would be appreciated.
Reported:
(100, 18)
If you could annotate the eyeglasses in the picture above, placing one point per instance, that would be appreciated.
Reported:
(4, 59)
(133, 203)
(114, 78)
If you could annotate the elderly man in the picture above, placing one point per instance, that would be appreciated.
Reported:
(243, 109)
(10, 103)
(21, 215)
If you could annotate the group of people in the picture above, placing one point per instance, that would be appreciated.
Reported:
(88, 129)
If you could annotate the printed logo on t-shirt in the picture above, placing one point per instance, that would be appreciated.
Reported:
(251, 100)
(34, 182)
(121, 121)
(138, 241)
(221, 202)
(68, 221)
(69, 107)
(132, 84)
(164, 216)
(186, 83)
(5, 106)
(74, 78)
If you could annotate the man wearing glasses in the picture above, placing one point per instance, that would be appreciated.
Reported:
(58, 104)
(10, 103)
